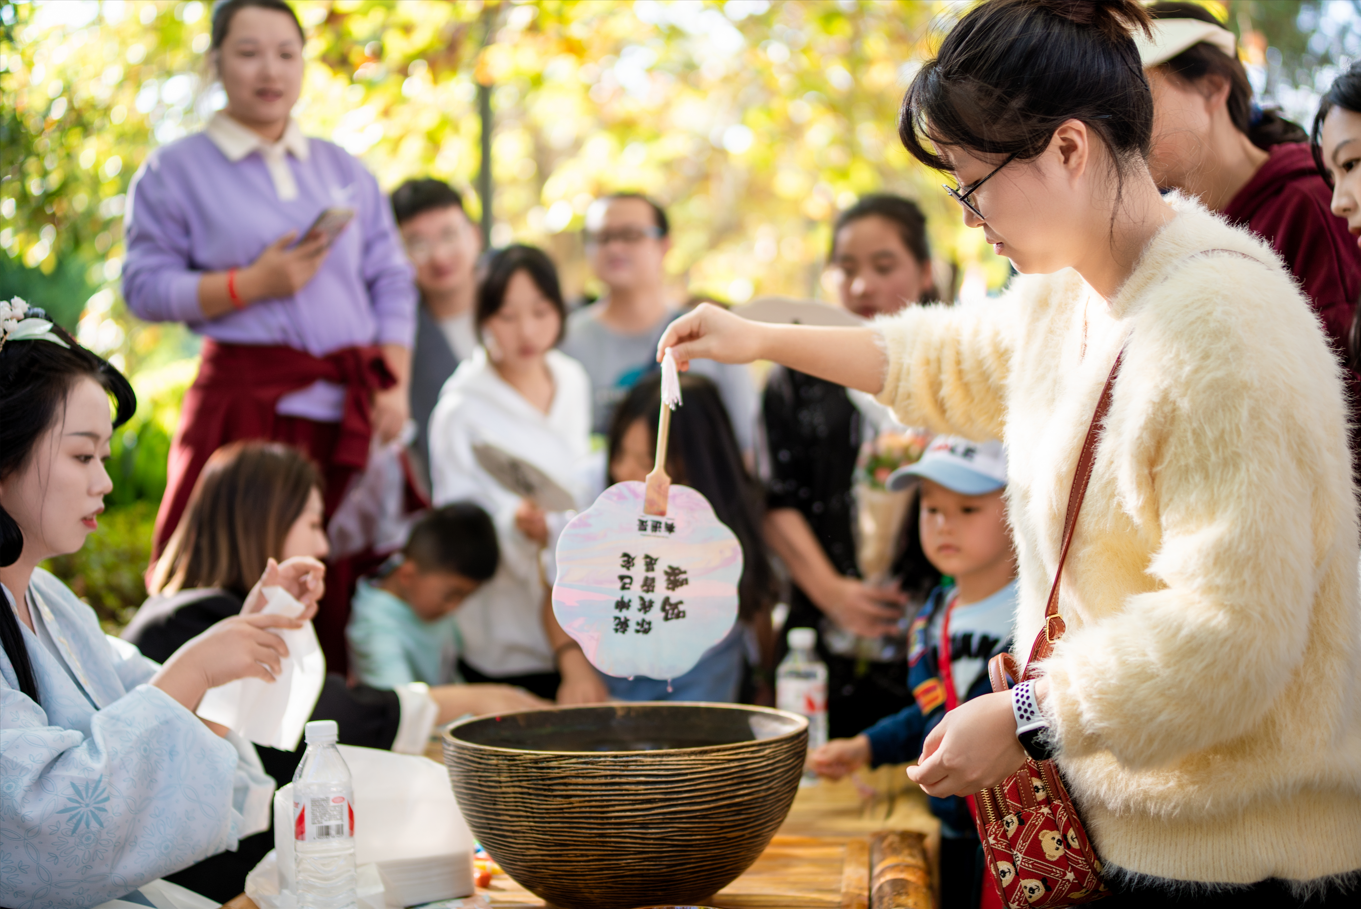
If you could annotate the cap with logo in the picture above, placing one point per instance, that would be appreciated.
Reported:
(961, 465)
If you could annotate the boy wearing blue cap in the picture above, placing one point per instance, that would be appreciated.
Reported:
(965, 622)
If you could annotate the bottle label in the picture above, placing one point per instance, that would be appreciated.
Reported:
(325, 818)
(807, 698)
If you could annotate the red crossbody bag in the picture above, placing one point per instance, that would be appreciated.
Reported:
(1036, 849)
(1034, 844)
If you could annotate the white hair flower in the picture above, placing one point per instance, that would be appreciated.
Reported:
(17, 325)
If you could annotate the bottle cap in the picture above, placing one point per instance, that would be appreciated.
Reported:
(802, 638)
(321, 732)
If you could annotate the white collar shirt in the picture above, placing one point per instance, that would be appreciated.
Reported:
(236, 141)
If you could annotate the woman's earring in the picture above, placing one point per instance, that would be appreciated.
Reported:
(493, 349)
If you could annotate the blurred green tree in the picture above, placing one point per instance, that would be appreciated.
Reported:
(754, 122)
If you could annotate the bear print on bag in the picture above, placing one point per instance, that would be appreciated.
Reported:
(1005, 872)
(1032, 889)
(1052, 843)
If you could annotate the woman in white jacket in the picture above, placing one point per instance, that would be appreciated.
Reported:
(516, 392)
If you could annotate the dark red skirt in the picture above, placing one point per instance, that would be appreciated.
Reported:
(234, 397)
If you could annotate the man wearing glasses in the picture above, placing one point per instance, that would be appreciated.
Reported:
(443, 245)
(627, 239)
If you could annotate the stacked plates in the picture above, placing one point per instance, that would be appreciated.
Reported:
(412, 881)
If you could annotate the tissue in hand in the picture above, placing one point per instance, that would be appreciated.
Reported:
(406, 820)
(273, 713)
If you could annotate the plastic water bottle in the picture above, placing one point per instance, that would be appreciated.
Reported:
(801, 687)
(323, 823)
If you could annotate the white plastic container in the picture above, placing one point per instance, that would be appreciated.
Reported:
(801, 687)
(323, 823)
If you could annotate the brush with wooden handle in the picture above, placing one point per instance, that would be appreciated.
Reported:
(658, 483)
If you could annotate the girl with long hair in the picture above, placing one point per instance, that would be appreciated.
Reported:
(100, 750)
(704, 455)
(1201, 705)
(253, 502)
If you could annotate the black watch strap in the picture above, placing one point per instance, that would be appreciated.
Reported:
(1036, 743)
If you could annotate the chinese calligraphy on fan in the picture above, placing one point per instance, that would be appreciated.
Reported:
(640, 606)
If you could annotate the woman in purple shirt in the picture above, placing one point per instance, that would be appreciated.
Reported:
(305, 341)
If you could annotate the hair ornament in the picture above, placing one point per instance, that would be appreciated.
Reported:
(21, 322)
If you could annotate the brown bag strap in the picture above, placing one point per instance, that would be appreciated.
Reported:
(1053, 621)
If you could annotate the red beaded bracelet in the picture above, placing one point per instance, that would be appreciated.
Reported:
(237, 302)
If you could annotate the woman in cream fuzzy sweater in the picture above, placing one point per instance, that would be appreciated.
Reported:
(1205, 703)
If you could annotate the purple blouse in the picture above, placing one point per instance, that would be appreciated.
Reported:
(192, 210)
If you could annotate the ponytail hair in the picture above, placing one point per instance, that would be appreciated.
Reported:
(1012, 71)
(35, 378)
(1263, 127)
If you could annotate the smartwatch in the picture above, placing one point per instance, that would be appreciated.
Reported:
(1031, 726)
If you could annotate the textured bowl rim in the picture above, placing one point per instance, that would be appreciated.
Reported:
(448, 733)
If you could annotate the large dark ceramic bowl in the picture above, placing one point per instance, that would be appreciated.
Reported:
(626, 805)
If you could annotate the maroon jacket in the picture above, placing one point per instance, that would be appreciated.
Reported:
(1287, 203)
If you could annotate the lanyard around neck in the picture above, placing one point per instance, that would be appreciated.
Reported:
(944, 669)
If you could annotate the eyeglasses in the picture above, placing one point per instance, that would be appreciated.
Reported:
(421, 249)
(629, 236)
(963, 198)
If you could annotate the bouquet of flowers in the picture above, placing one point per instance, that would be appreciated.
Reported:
(880, 512)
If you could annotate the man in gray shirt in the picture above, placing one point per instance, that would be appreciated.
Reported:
(443, 245)
(616, 337)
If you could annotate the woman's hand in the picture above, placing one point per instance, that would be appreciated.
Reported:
(281, 271)
(391, 410)
(236, 648)
(974, 747)
(581, 684)
(530, 521)
(861, 609)
(304, 578)
(840, 757)
(710, 332)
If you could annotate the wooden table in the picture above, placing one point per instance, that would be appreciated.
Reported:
(820, 857)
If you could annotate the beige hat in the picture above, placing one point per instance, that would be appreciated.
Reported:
(1172, 36)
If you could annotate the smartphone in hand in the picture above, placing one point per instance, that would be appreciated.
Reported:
(329, 224)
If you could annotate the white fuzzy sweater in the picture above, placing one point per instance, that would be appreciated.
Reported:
(1207, 695)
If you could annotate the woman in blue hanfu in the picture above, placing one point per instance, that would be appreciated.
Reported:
(107, 779)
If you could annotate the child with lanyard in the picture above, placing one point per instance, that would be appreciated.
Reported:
(966, 621)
